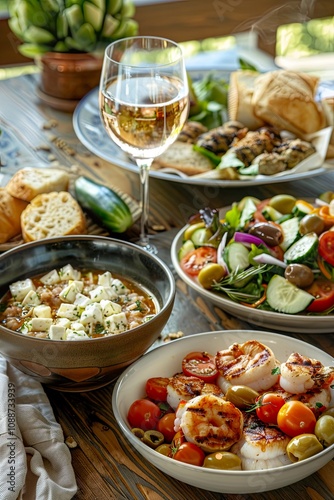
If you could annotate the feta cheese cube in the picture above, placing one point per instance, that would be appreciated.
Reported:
(50, 278)
(102, 293)
(41, 324)
(65, 322)
(69, 273)
(70, 292)
(92, 314)
(69, 311)
(116, 323)
(31, 299)
(57, 332)
(105, 279)
(20, 289)
(42, 311)
(109, 307)
(76, 325)
(76, 335)
(119, 287)
(82, 300)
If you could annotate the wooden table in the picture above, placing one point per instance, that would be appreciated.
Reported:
(105, 464)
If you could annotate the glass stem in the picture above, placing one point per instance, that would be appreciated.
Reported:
(144, 168)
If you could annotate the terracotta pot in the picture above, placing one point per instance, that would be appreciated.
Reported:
(69, 76)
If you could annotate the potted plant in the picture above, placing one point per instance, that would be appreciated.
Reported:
(67, 38)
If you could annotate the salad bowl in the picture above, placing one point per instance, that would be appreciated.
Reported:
(166, 360)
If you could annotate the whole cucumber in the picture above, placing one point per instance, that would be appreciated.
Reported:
(103, 204)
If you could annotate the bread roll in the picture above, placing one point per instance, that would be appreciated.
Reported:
(10, 215)
(29, 182)
(181, 156)
(52, 214)
(240, 95)
(286, 100)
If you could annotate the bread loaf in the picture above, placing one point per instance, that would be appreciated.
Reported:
(181, 156)
(240, 97)
(29, 182)
(286, 100)
(10, 215)
(52, 214)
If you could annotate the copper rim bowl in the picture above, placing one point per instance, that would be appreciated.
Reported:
(84, 365)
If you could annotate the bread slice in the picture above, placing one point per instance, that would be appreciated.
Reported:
(240, 95)
(29, 182)
(286, 100)
(10, 215)
(181, 156)
(52, 214)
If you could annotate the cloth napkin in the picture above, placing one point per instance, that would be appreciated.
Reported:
(35, 463)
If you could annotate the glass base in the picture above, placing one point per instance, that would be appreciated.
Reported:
(149, 247)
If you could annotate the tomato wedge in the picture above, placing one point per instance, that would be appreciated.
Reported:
(156, 388)
(323, 291)
(194, 261)
(201, 365)
(326, 246)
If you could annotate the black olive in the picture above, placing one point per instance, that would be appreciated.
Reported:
(269, 233)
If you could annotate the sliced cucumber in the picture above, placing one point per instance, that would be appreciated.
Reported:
(191, 229)
(201, 237)
(303, 249)
(236, 257)
(283, 296)
(186, 248)
(302, 208)
(270, 213)
(290, 230)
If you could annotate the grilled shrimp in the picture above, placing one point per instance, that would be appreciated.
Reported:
(210, 422)
(300, 374)
(250, 364)
(261, 446)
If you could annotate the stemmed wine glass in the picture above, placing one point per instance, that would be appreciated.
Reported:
(144, 103)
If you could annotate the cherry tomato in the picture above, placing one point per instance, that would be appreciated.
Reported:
(277, 252)
(258, 215)
(144, 414)
(296, 418)
(190, 454)
(166, 426)
(323, 291)
(194, 261)
(178, 439)
(201, 365)
(156, 388)
(268, 406)
(326, 247)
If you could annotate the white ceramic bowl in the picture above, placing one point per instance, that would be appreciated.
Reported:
(165, 361)
(299, 323)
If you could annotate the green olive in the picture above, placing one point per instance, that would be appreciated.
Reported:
(153, 438)
(329, 411)
(324, 430)
(210, 274)
(327, 196)
(223, 460)
(139, 433)
(299, 274)
(311, 223)
(164, 449)
(303, 446)
(284, 203)
(241, 396)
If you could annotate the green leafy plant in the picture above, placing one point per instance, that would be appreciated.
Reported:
(70, 25)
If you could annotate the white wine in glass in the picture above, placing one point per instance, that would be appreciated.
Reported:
(144, 103)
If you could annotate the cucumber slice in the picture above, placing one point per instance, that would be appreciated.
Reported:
(191, 229)
(201, 237)
(186, 248)
(270, 213)
(236, 257)
(290, 230)
(303, 249)
(283, 296)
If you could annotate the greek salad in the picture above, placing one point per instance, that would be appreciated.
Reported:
(275, 254)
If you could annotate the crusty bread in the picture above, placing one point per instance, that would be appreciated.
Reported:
(286, 100)
(52, 214)
(181, 156)
(29, 182)
(240, 95)
(10, 215)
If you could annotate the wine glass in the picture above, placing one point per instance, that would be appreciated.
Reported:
(144, 104)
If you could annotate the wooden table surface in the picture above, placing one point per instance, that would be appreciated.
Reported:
(105, 464)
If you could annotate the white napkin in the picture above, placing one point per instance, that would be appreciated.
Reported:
(35, 463)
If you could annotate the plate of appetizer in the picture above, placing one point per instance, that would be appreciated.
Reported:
(269, 262)
(236, 134)
(195, 409)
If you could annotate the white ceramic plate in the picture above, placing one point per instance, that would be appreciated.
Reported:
(90, 131)
(165, 361)
(299, 323)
